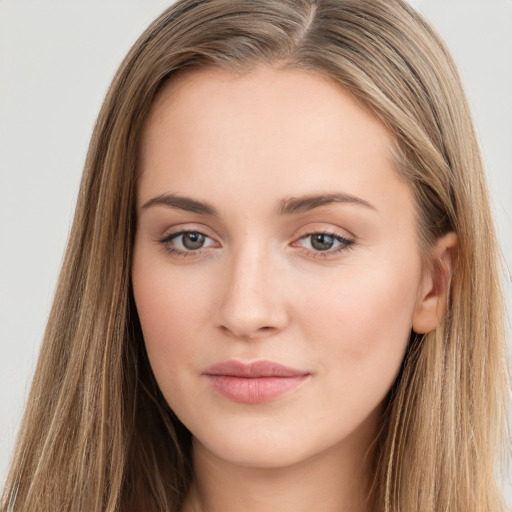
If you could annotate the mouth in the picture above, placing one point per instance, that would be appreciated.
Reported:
(252, 383)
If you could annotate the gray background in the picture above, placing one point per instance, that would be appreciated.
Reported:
(56, 61)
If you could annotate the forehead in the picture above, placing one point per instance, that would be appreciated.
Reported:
(269, 133)
(265, 94)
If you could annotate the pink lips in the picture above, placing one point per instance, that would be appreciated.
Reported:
(253, 383)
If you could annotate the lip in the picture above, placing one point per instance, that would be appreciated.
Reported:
(252, 383)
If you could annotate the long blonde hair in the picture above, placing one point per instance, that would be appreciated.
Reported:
(97, 433)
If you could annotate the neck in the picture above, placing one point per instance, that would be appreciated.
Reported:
(338, 479)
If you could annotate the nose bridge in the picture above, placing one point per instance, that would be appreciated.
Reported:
(251, 301)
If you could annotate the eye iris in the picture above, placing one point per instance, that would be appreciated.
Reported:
(322, 242)
(193, 240)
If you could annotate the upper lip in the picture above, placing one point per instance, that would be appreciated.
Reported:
(254, 370)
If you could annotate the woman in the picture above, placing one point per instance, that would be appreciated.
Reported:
(280, 290)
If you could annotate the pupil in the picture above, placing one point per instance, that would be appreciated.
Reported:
(193, 240)
(322, 242)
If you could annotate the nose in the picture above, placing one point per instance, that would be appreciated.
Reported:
(252, 298)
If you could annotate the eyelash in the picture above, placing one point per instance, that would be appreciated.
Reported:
(345, 244)
(167, 240)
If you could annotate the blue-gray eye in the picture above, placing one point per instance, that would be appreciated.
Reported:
(328, 243)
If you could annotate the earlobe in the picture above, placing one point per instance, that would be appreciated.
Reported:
(435, 287)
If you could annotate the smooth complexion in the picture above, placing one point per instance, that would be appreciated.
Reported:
(274, 231)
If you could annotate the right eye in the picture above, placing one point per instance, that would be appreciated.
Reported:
(186, 242)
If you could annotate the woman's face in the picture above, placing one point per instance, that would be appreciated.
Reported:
(276, 270)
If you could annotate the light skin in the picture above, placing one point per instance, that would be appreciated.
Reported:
(272, 225)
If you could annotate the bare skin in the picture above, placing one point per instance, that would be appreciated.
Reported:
(273, 226)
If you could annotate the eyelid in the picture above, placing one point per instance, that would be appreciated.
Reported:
(325, 222)
(346, 240)
(340, 238)
(165, 241)
(175, 236)
(178, 229)
(325, 228)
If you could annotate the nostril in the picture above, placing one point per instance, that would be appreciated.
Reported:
(244, 334)
(249, 310)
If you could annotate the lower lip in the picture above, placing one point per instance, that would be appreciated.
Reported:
(254, 390)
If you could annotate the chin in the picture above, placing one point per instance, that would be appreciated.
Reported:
(254, 453)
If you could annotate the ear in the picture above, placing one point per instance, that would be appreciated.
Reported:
(435, 286)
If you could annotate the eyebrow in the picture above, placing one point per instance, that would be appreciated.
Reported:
(306, 203)
(181, 203)
(290, 206)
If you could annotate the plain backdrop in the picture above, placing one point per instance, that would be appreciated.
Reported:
(56, 61)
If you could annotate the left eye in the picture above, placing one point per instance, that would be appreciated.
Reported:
(323, 242)
(189, 241)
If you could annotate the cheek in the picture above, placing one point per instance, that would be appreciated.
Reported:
(173, 311)
(364, 320)
(362, 302)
